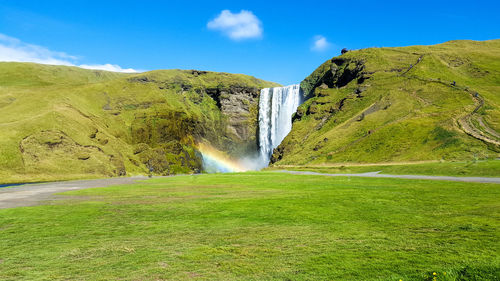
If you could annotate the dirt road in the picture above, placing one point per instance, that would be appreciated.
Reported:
(418, 177)
(34, 194)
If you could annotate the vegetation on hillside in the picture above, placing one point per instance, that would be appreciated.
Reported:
(62, 122)
(367, 106)
(400, 104)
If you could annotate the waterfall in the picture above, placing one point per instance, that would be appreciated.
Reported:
(276, 107)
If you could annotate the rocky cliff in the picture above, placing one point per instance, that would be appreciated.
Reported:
(240, 105)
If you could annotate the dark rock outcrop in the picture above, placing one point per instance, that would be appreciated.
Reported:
(335, 73)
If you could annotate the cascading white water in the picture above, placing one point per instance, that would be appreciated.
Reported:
(276, 107)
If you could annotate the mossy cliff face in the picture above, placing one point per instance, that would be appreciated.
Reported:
(399, 104)
(68, 122)
(225, 116)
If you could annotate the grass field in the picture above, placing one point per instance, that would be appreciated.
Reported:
(258, 226)
(486, 168)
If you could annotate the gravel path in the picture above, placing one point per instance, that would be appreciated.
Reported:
(418, 177)
(34, 194)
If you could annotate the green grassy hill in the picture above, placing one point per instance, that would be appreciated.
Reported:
(413, 103)
(62, 122)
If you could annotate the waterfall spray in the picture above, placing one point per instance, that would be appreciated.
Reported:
(215, 161)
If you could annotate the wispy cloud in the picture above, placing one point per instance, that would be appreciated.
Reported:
(320, 43)
(108, 67)
(237, 26)
(14, 50)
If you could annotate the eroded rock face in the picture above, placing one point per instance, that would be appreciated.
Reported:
(240, 105)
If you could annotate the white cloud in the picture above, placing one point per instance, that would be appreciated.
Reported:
(243, 25)
(108, 67)
(14, 50)
(320, 43)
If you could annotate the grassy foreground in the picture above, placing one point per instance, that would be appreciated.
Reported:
(258, 226)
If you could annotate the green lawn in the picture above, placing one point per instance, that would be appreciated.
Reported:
(258, 226)
(484, 168)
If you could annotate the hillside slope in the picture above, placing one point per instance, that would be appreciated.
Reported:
(399, 104)
(61, 122)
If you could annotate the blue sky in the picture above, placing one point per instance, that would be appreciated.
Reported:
(272, 40)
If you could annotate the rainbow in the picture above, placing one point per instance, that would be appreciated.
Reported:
(217, 161)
